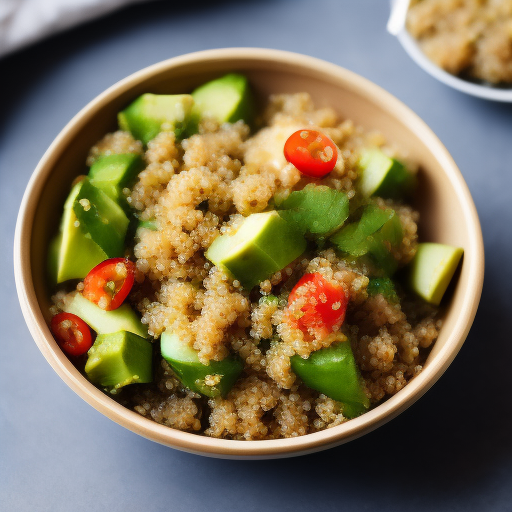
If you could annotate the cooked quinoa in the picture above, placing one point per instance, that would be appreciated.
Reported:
(201, 187)
(470, 37)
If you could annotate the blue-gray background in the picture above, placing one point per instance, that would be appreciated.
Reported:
(450, 451)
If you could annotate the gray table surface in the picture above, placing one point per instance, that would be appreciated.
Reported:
(450, 451)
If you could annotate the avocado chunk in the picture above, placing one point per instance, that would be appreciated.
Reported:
(149, 114)
(105, 322)
(113, 173)
(213, 379)
(226, 99)
(334, 372)
(376, 233)
(72, 253)
(150, 224)
(119, 359)
(384, 176)
(316, 210)
(384, 286)
(431, 270)
(101, 218)
(270, 300)
(263, 244)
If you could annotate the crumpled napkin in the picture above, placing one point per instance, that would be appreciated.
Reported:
(25, 21)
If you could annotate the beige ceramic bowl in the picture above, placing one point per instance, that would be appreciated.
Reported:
(447, 211)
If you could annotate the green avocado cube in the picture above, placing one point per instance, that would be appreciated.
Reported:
(316, 210)
(333, 371)
(101, 218)
(384, 176)
(263, 244)
(105, 322)
(119, 359)
(150, 224)
(431, 270)
(72, 252)
(226, 99)
(149, 114)
(213, 379)
(113, 173)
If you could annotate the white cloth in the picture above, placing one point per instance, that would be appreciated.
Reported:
(25, 21)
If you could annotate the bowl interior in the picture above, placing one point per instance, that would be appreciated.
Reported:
(447, 215)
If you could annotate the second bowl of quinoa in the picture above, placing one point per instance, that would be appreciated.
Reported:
(465, 44)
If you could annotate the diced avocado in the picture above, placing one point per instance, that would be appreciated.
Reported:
(149, 114)
(101, 218)
(316, 210)
(431, 270)
(384, 176)
(105, 322)
(385, 287)
(214, 379)
(53, 257)
(263, 244)
(148, 224)
(269, 299)
(375, 234)
(333, 372)
(226, 99)
(72, 253)
(118, 359)
(113, 173)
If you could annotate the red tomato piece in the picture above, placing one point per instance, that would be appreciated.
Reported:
(72, 333)
(312, 152)
(109, 283)
(317, 306)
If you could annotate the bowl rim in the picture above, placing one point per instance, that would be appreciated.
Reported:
(224, 448)
(480, 91)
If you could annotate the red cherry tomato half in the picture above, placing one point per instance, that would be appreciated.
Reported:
(72, 333)
(109, 283)
(317, 306)
(312, 152)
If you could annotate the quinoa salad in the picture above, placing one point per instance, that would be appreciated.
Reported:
(245, 273)
(471, 38)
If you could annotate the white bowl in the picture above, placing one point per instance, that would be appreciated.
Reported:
(396, 26)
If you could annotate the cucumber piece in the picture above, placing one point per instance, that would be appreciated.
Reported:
(431, 270)
(113, 173)
(334, 372)
(383, 176)
(226, 99)
(119, 359)
(375, 234)
(105, 322)
(262, 245)
(385, 287)
(102, 218)
(72, 253)
(193, 374)
(316, 210)
(150, 113)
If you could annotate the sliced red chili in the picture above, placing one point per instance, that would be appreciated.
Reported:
(71, 333)
(312, 152)
(317, 306)
(109, 283)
